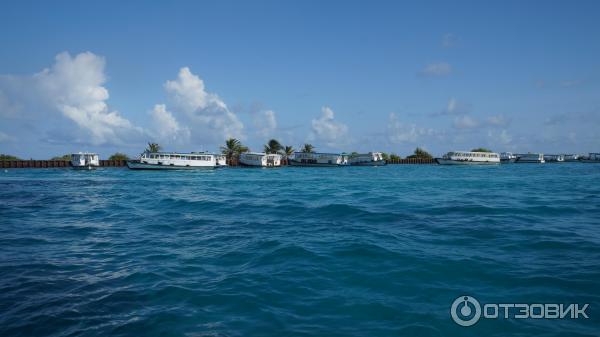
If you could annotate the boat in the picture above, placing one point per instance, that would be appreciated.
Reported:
(176, 161)
(260, 159)
(367, 159)
(318, 159)
(530, 158)
(469, 158)
(507, 157)
(554, 158)
(84, 161)
(572, 157)
(591, 158)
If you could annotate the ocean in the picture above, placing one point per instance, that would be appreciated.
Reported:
(351, 251)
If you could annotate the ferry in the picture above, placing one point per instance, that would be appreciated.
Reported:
(318, 159)
(469, 158)
(177, 161)
(260, 159)
(367, 159)
(507, 157)
(554, 158)
(85, 161)
(530, 158)
(592, 158)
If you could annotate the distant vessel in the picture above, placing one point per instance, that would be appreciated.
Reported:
(592, 158)
(554, 158)
(530, 158)
(85, 161)
(318, 159)
(572, 157)
(260, 159)
(507, 157)
(367, 159)
(469, 158)
(176, 160)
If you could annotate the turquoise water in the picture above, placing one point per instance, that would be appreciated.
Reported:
(373, 251)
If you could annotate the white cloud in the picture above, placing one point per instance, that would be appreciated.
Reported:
(72, 86)
(498, 120)
(465, 122)
(437, 69)
(265, 122)
(210, 115)
(456, 107)
(327, 130)
(167, 127)
(4, 138)
(399, 133)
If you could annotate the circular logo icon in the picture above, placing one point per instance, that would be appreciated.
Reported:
(465, 311)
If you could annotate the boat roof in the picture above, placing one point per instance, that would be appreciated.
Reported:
(325, 153)
(184, 153)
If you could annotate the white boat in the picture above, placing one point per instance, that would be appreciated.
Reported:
(260, 159)
(318, 159)
(507, 157)
(367, 159)
(554, 158)
(176, 161)
(85, 161)
(572, 157)
(469, 158)
(530, 158)
(592, 158)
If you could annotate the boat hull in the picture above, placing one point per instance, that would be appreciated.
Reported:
(442, 161)
(136, 165)
(297, 163)
(84, 167)
(370, 163)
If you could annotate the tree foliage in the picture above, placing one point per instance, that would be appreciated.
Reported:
(118, 156)
(420, 154)
(8, 157)
(63, 157)
(153, 147)
(233, 148)
(273, 146)
(481, 149)
(308, 148)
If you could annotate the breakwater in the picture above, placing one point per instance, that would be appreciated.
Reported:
(120, 163)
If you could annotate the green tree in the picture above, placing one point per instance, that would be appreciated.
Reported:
(64, 157)
(353, 154)
(153, 147)
(273, 146)
(118, 156)
(288, 151)
(420, 154)
(308, 148)
(8, 157)
(481, 149)
(232, 149)
(394, 157)
(385, 156)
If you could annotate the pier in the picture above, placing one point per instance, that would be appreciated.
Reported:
(5, 164)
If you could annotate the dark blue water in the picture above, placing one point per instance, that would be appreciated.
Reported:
(296, 251)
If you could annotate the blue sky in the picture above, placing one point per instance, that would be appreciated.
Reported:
(390, 76)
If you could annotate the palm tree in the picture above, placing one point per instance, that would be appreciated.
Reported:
(288, 151)
(153, 147)
(118, 156)
(420, 154)
(273, 146)
(481, 149)
(308, 148)
(233, 148)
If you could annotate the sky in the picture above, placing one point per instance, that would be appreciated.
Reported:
(110, 76)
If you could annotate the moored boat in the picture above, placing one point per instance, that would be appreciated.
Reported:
(85, 161)
(530, 158)
(260, 159)
(318, 159)
(469, 158)
(572, 157)
(507, 157)
(554, 158)
(591, 158)
(176, 161)
(367, 159)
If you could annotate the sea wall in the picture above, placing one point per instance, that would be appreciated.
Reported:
(52, 163)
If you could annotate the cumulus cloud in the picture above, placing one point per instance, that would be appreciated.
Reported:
(437, 69)
(265, 122)
(399, 132)
(328, 130)
(74, 88)
(498, 120)
(465, 122)
(166, 126)
(207, 112)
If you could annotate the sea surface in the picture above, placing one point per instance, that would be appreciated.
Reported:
(352, 251)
